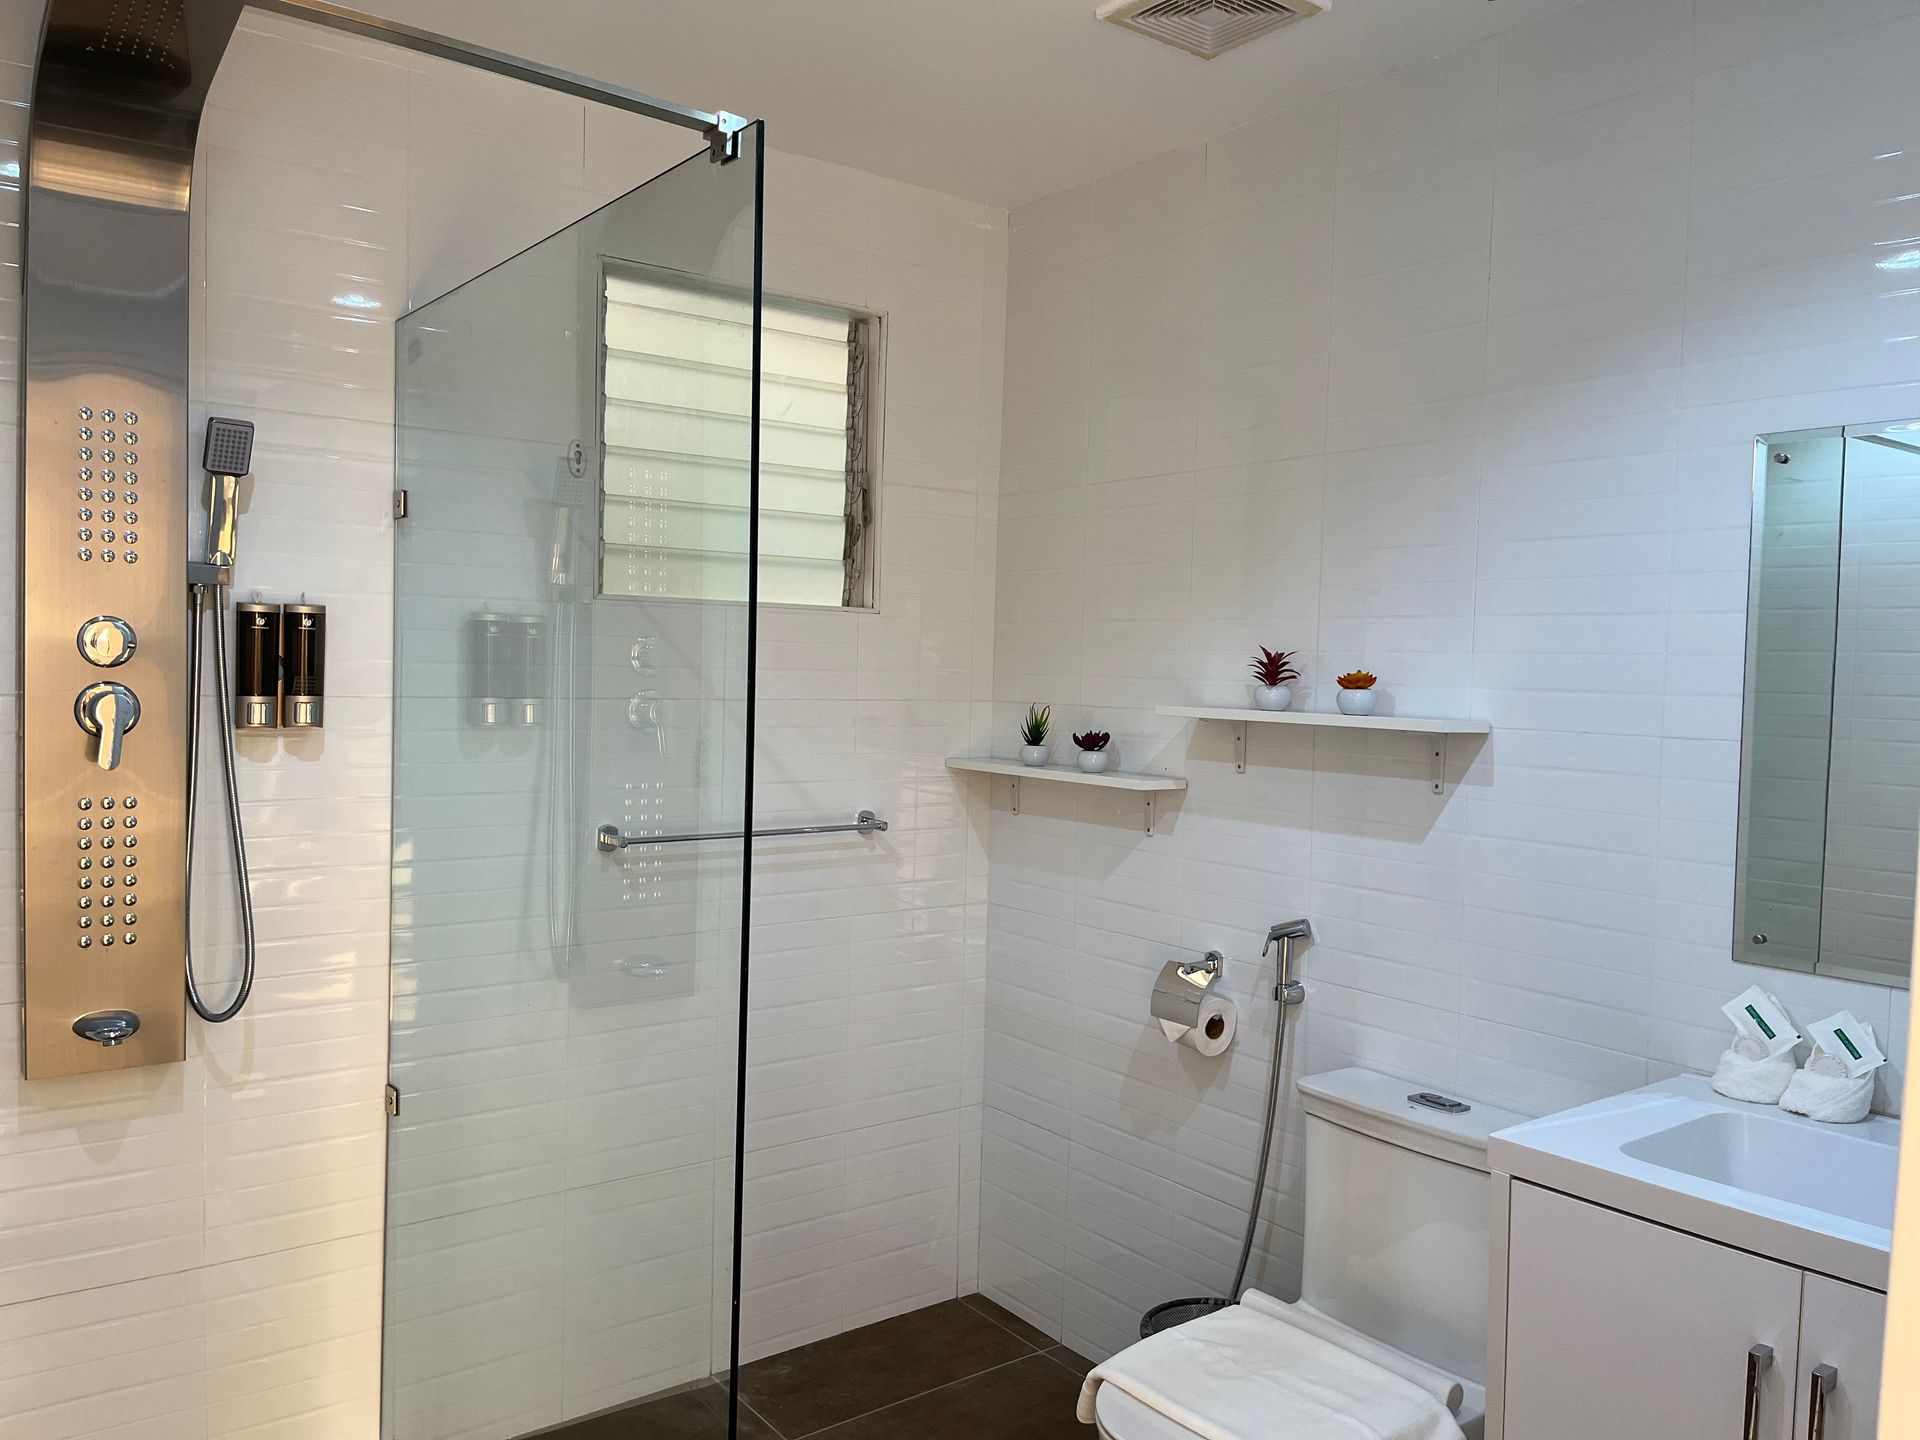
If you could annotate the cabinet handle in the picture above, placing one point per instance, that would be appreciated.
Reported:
(1759, 1361)
(1823, 1379)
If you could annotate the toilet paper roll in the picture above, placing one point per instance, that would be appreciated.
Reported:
(1212, 1032)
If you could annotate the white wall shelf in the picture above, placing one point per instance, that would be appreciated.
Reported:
(1147, 786)
(1438, 730)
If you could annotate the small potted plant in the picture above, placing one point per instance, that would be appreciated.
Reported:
(1093, 750)
(1273, 673)
(1033, 734)
(1357, 695)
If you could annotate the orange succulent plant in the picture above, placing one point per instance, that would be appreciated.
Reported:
(1358, 680)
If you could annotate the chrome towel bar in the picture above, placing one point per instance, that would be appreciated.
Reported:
(865, 823)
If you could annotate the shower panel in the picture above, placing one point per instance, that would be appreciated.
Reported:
(103, 508)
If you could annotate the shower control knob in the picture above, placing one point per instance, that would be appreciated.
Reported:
(108, 711)
(106, 640)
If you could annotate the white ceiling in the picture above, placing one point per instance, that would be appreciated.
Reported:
(995, 100)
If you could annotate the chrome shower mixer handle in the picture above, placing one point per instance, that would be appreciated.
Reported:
(108, 711)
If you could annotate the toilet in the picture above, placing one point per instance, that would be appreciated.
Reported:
(1396, 1233)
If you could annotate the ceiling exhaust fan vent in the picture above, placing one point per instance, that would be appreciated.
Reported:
(1207, 27)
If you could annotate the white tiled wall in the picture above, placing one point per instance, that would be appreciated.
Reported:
(870, 959)
(202, 1244)
(1454, 375)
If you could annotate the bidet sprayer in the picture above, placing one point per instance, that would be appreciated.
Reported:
(1286, 989)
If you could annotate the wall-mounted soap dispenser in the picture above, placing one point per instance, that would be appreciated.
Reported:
(256, 665)
(303, 661)
(489, 644)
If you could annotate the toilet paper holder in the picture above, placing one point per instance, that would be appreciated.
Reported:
(1182, 985)
(1208, 965)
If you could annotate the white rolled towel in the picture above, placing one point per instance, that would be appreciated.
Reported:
(1746, 1072)
(1822, 1090)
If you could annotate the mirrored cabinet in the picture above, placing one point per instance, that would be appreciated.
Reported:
(1830, 747)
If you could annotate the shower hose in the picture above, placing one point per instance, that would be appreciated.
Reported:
(202, 594)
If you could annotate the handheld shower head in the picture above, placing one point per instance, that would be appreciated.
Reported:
(229, 449)
(227, 458)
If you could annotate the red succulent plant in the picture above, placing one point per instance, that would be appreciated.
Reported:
(1093, 740)
(1274, 667)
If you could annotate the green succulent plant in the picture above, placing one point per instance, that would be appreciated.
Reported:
(1033, 730)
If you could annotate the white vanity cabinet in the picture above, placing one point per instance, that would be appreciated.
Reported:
(1614, 1326)
(1842, 1326)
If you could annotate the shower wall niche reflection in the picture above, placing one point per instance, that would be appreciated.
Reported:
(564, 1030)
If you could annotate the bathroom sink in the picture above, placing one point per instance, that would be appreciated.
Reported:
(1818, 1196)
(1820, 1170)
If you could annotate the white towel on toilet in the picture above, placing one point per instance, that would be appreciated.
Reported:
(1241, 1374)
(1445, 1388)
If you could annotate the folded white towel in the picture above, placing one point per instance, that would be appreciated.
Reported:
(1239, 1374)
(1745, 1072)
(1445, 1388)
(1823, 1091)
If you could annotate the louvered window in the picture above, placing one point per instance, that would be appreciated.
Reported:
(677, 367)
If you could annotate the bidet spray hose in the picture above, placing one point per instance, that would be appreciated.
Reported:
(1288, 996)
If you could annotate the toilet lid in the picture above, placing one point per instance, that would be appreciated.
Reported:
(1121, 1417)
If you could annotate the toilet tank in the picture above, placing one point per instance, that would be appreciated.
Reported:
(1397, 1215)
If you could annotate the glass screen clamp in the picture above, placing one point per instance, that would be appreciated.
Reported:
(866, 822)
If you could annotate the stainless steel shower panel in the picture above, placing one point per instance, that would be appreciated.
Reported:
(103, 518)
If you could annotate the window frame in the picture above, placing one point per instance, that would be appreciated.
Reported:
(879, 327)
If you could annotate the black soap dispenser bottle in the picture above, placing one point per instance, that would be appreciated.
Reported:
(303, 652)
(256, 665)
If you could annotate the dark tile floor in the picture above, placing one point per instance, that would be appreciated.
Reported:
(961, 1370)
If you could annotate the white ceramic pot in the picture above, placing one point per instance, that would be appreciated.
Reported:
(1272, 697)
(1093, 761)
(1035, 755)
(1356, 702)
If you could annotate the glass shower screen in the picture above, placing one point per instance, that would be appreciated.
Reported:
(566, 1016)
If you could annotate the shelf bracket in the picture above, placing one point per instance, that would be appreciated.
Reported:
(1439, 778)
(1149, 812)
(1014, 781)
(1240, 748)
